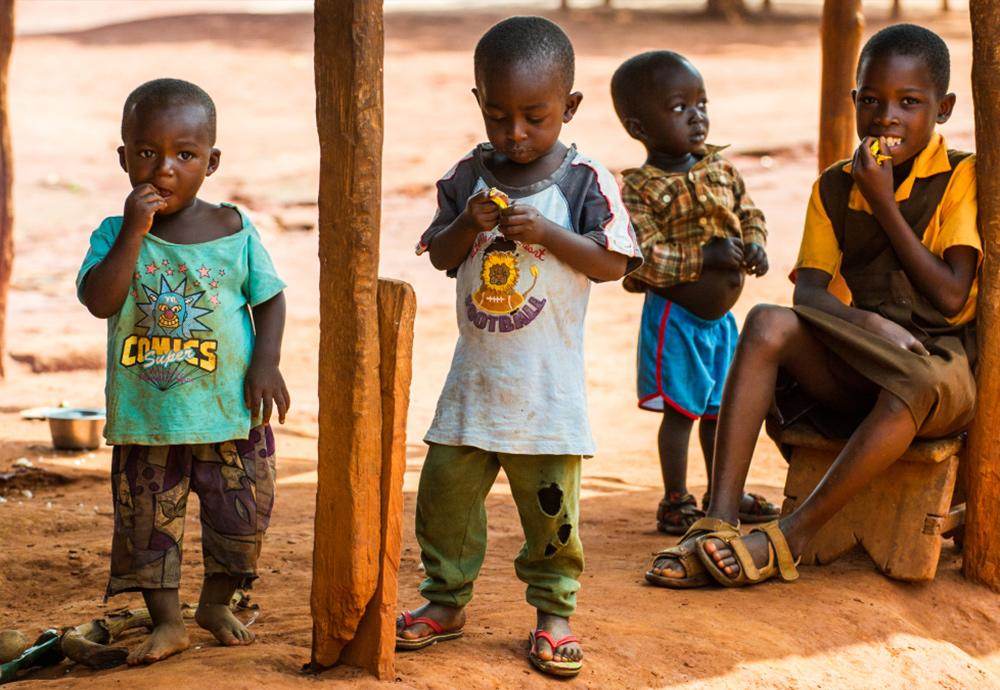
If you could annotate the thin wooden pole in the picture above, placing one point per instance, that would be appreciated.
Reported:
(840, 36)
(348, 63)
(6, 171)
(981, 561)
(897, 9)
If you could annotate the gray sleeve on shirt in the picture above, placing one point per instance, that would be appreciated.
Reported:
(453, 190)
(590, 209)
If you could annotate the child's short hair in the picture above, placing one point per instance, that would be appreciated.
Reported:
(912, 40)
(630, 83)
(163, 93)
(533, 41)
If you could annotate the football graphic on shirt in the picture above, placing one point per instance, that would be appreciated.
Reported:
(498, 292)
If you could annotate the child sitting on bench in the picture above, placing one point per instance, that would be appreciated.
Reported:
(891, 364)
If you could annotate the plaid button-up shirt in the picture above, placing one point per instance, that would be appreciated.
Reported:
(674, 214)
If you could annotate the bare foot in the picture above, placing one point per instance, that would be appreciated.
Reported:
(558, 627)
(165, 640)
(757, 544)
(449, 617)
(668, 565)
(219, 620)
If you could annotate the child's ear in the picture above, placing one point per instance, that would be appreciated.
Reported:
(213, 161)
(121, 158)
(572, 103)
(475, 92)
(854, 96)
(945, 107)
(634, 128)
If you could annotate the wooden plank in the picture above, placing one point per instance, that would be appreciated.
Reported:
(942, 524)
(981, 561)
(348, 64)
(888, 518)
(840, 35)
(925, 451)
(373, 647)
(6, 172)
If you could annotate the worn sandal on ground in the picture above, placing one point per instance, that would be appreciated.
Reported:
(677, 512)
(438, 633)
(563, 669)
(761, 510)
(686, 553)
(779, 558)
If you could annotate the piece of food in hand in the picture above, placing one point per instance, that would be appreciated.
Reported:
(498, 197)
(876, 150)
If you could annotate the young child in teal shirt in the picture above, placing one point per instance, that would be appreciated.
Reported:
(191, 379)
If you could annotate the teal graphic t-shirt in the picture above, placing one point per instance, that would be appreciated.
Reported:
(179, 348)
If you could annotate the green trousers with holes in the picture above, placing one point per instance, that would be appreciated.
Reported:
(451, 523)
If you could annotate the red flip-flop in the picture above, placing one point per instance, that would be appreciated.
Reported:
(438, 633)
(563, 669)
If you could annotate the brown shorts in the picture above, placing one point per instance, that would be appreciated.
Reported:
(234, 481)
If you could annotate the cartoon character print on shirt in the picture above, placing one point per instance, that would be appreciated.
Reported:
(171, 344)
(498, 305)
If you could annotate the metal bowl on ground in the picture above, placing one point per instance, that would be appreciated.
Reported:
(76, 428)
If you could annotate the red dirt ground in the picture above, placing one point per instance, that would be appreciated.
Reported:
(839, 626)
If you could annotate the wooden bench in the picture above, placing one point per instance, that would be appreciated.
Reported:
(899, 518)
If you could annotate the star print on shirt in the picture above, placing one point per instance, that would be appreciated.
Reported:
(150, 268)
(204, 272)
(182, 268)
(214, 284)
(170, 271)
(213, 299)
(222, 272)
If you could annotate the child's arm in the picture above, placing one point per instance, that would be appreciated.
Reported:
(752, 226)
(811, 291)
(450, 246)
(944, 282)
(264, 384)
(526, 224)
(107, 283)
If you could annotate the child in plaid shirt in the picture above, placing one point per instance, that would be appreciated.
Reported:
(699, 233)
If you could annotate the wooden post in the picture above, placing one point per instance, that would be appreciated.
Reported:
(981, 561)
(897, 9)
(6, 171)
(945, 6)
(348, 63)
(840, 35)
(374, 644)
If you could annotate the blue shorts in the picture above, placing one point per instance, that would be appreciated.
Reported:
(683, 359)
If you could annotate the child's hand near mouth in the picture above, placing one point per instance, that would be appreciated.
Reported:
(140, 207)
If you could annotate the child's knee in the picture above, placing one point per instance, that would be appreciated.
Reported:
(768, 328)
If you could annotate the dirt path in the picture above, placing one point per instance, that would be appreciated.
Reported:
(839, 626)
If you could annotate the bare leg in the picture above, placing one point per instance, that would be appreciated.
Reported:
(214, 614)
(674, 436)
(706, 436)
(168, 636)
(879, 441)
(773, 337)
